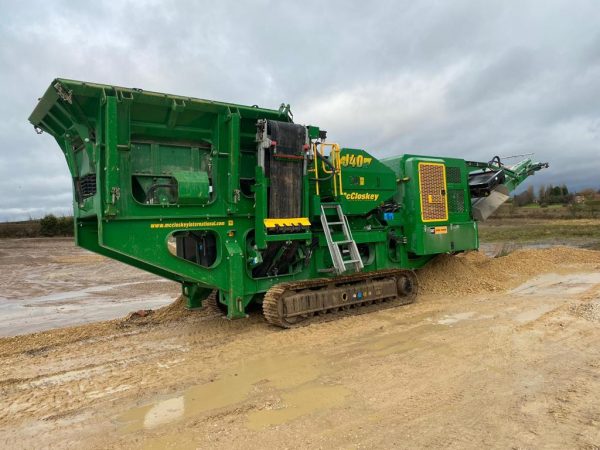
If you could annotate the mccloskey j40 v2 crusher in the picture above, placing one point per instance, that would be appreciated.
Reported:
(241, 200)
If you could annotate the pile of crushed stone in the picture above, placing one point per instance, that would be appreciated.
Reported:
(589, 311)
(474, 272)
(457, 274)
(173, 311)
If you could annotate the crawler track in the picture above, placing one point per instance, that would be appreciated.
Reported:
(300, 303)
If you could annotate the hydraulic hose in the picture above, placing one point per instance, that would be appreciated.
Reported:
(326, 161)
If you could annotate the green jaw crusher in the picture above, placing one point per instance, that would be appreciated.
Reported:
(240, 199)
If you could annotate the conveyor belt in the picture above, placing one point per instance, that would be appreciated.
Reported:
(286, 164)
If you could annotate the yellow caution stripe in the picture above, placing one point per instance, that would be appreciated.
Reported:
(286, 222)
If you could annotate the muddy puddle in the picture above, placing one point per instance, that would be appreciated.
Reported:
(50, 283)
(22, 316)
(293, 383)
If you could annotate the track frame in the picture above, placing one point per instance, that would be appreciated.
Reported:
(294, 304)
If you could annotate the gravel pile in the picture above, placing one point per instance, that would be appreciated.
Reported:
(474, 272)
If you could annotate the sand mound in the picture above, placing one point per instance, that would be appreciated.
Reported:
(173, 312)
(43, 341)
(474, 272)
(455, 275)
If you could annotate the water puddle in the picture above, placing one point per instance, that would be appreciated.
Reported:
(499, 249)
(296, 377)
(21, 318)
(50, 283)
(164, 412)
(299, 402)
(553, 286)
(80, 293)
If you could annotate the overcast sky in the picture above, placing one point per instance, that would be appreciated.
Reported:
(470, 79)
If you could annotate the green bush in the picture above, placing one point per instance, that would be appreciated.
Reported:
(65, 226)
(51, 225)
(48, 225)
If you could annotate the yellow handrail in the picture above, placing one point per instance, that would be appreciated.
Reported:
(316, 169)
(335, 160)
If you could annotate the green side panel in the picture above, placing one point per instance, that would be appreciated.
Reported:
(87, 236)
(458, 237)
(366, 182)
(459, 231)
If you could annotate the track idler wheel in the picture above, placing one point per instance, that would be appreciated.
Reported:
(408, 285)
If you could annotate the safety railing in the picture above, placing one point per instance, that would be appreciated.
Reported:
(334, 168)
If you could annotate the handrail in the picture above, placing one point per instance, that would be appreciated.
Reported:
(323, 167)
(335, 163)
(316, 169)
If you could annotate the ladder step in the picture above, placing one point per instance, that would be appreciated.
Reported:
(344, 248)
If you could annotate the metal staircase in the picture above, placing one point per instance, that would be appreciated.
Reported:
(346, 248)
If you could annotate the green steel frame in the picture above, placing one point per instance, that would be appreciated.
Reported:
(125, 143)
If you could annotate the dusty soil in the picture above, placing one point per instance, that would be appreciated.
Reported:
(500, 352)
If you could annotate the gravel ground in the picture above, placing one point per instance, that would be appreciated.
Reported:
(501, 353)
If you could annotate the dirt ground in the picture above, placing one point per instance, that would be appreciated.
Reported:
(50, 283)
(497, 352)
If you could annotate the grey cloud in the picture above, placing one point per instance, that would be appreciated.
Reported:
(462, 78)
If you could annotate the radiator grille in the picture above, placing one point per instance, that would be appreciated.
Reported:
(456, 200)
(432, 182)
(453, 174)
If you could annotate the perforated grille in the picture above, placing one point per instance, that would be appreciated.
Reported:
(456, 200)
(433, 192)
(453, 174)
(86, 186)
